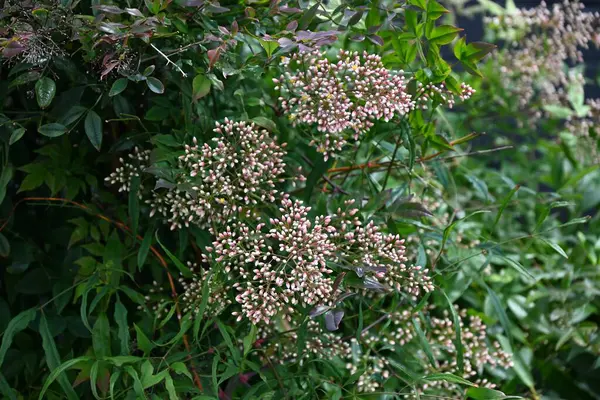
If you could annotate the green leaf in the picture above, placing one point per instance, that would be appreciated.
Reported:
(424, 343)
(16, 135)
(181, 369)
(200, 87)
(448, 377)
(249, 339)
(58, 371)
(269, 45)
(145, 247)
(200, 314)
(93, 129)
(308, 16)
(121, 320)
(443, 34)
(157, 113)
(574, 180)
(480, 393)
(557, 111)
(6, 390)
(457, 335)
(52, 129)
(137, 384)
(435, 10)
(266, 123)
(171, 388)
(149, 70)
(233, 350)
(118, 86)
(134, 203)
(517, 266)
(94, 379)
(143, 342)
(53, 358)
(4, 246)
(556, 247)
(101, 337)
(16, 325)
(121, 360)
(72, 115)
(182, 268)
(114, 378)
(503, 205)
(501, 313)
(45, 89)
(155, 85)
(24, 78)
(5, 177)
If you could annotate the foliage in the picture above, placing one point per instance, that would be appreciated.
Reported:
(257, 199)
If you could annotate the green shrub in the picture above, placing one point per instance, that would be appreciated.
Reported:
(259, 199)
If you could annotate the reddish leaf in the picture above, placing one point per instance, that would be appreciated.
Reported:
(213, 56)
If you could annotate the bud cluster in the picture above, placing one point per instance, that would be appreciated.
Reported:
(341, 97)
(478, 351)
(543, 40)
(214, 183)
(137, 162)
(290, 260)
(441, 94)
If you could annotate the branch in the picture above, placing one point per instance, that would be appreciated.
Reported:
(168, 60)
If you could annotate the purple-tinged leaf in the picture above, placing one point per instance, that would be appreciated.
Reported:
(319, 310)
(333, 319)
(13, 49)
(193, 3)
(108, 9)
(292, 26)
(134, 11)
(376, 39)
(289, 10)
(373, 284)
(344, 296)
(357, 38)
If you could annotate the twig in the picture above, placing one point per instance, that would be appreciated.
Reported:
(168, 60)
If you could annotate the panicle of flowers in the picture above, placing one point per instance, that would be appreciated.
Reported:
(547, 38)
(441, 94)
(343, 97)
(478, 350)
(367, 248)
(278, 267)
(131, 167)
(217, 182)
(318, 343)
(587, 129)
(376, 371)
(581, 127)
(288, 261)
(218, 296)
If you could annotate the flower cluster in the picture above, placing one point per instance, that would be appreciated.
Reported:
(581, 127)
(478, 351)
(341, 97)
(441, 94)
(290, 260)
(133, 167)
(545, 39)
(318, 342)
(376, 371)
(216, 182)
(218, 298)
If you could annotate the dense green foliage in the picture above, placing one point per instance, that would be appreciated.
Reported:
(157, 155)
